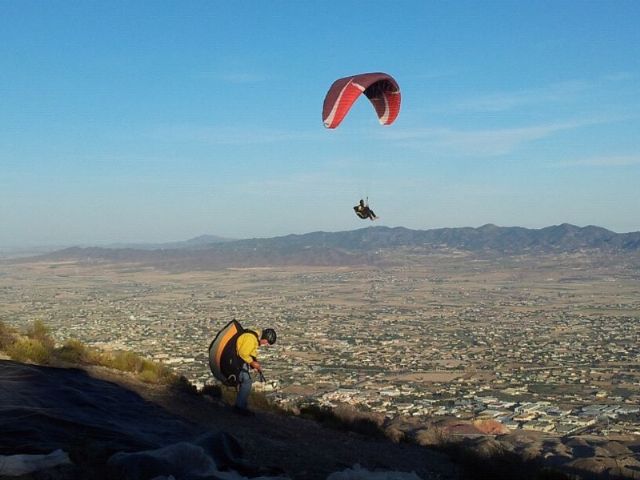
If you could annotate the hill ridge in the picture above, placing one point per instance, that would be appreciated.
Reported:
(364, 246)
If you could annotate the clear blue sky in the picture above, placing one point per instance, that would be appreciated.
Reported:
(156, 121)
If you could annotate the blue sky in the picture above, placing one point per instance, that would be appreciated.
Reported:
(157, 121)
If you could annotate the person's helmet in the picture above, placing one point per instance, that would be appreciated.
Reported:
(269, 334)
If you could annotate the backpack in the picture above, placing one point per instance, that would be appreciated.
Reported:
(224, 362)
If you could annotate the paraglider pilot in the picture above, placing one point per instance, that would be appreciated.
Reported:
(363, 211)
(247, 349)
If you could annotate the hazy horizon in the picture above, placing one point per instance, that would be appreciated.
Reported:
(27, 246)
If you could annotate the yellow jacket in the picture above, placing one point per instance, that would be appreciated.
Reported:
(247, 346)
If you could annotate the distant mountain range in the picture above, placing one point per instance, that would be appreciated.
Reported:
(196, 242)
(560, 238)
(357, 247)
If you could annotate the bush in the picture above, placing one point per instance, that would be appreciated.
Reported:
(74, 351)
(344, 418)
(151, 372)
(259, 401)
(29, 349)
(124, 361)
(146, 370)
(39, 347)
(181, 384)
(434, 435)
(39, 331)
(148, 376)
(228, 394)
(214, 391)
(500, 465)
(7, 336)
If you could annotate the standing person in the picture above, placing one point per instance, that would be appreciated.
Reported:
(247, 349)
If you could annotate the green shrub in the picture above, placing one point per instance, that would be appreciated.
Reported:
(29, 349)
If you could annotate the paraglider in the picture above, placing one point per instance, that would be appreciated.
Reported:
(384, 94)
(363, 211)
(380, 88)
(223, 359)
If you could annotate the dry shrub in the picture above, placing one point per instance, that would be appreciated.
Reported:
(484, 458)
(214, 391)
(38, 347)
(345, 417)
(361, 422)
(491, 427)
(152, 372)
(180, 383)
(26, 349)
(39, 331)
(259, 401)
(228, 394)
(123, 360)
(74, 351)
(433, 436)
(7, 336)
(149, 376)
(395, 434)
(146, 370)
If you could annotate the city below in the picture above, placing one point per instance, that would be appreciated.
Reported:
(548, 343)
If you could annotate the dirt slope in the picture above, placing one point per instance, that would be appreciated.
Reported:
(301, 448)
(94, 413)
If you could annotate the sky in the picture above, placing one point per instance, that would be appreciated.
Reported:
(156, 121)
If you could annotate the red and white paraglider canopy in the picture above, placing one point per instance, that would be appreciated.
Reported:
(380, 88)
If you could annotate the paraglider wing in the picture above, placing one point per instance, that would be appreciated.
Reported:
(223, 359)
(381, 90)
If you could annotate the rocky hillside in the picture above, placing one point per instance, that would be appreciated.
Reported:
(78, 424)
(69, 424)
